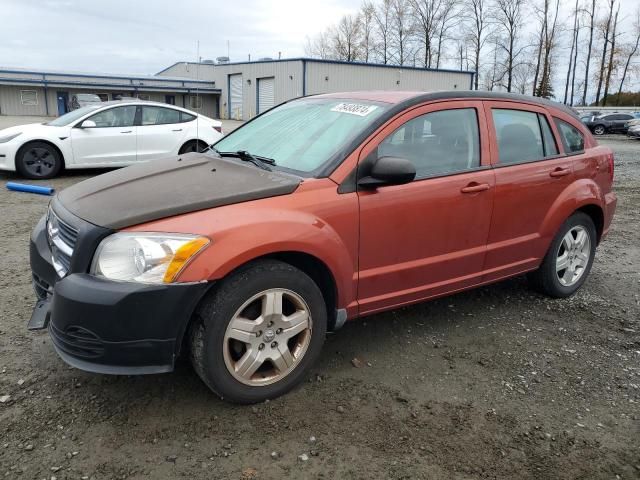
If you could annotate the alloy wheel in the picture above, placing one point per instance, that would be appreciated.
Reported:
(39, 162)
(267, 337)
(573, 255)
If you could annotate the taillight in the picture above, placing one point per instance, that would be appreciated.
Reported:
(611, 165)
(218, 129)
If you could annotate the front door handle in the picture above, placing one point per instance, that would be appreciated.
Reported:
(559, 172)
(127, 131)
(177, 130)
(475, 187)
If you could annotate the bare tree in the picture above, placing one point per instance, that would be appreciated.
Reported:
(383, 18)
(545, 87)
(612, 52)
(448, 19)
(319, 46)
(345, 38)
(591, 14)
(631, 53)
(508, 17)
(478, 19)
(604, 50)
(367, 23)
(574, 46)
(426, 13)
(402, 31)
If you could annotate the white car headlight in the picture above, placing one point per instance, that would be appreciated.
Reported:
(8, 138)
(145, 257)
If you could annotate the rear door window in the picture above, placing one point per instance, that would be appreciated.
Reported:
(159, 116)
(572, 139)
(523, 136)
(438, 143)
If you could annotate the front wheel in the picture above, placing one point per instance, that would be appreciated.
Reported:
(259, 332)
(568, 261)
(599, 130)
(38, 160)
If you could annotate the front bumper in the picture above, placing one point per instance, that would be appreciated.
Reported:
(633, 133)
(7, 156)
(109, 327)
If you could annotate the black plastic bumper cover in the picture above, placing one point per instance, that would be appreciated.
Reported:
(114, 327)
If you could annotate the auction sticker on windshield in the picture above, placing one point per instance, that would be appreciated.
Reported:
(354, 109)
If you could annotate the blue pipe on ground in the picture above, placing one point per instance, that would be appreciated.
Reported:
(22, 187)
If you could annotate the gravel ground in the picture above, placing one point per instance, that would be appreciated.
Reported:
(498, 382)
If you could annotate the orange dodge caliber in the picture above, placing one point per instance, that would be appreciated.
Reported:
(321, 210)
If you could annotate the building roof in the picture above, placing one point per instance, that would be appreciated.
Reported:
(318, 60)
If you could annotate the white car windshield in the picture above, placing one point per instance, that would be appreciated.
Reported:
(305, 134)
(70, 117)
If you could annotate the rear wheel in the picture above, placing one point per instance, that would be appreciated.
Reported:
(569, 259)
(193, 146)
(258, 333)
(599, 130)
(38, 160)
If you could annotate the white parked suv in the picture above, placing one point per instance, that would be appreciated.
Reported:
(110, 134)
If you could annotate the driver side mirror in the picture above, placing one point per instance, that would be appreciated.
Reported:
(389, 171)
(88, 124)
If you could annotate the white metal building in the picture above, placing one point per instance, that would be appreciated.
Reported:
(249, 88)
(228, 90)
(29, 92)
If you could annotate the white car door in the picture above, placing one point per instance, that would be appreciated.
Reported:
(160, 133)
(111, 142)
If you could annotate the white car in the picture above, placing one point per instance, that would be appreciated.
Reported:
(111, 134)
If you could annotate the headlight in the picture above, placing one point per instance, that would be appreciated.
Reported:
(145, 257)
(8, 138)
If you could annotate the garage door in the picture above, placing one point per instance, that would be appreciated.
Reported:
(265, 94)
(235, 96)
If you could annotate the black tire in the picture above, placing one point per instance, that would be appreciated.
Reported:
(207, 333)
(545, 279)
(599, 130)
(193, 146)
(38, 161)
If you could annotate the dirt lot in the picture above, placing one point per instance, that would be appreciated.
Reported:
(494, 383)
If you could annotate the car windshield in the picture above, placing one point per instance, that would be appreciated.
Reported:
(305, 134)
(70, 117)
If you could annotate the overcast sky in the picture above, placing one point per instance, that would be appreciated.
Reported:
(145, 36)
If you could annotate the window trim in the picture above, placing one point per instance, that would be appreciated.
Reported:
(135, 117)
(351, 166)
(180, 112)
(568, 153)
(523, 107)
(25, 103)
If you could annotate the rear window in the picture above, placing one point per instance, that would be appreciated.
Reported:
(572, 139)
(523, 136)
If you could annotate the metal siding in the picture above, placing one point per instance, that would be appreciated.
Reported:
(10, 103)
(266, 98)
(328, 77)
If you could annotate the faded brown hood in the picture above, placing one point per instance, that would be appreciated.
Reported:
(171, 186)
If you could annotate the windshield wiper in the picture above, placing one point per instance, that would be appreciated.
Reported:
(257, 160)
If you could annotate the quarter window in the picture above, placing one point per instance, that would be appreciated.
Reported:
(447, 141)
(159, 116)
(115, 117)
(523, 136)
(572, 139)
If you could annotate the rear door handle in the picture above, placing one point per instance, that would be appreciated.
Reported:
(127, 131)
(475, 187)
(559, 172)
(177, 130)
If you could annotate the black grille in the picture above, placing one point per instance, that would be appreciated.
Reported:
(77, 341)
(42, 288)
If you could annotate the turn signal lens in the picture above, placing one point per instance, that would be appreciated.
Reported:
(182, 256)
